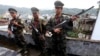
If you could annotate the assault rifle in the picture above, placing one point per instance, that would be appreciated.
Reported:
(80, 13)
(38, 33)
(49, 34)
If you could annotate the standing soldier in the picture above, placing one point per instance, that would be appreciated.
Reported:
(59, 33)
(38, 30)
(16, 27)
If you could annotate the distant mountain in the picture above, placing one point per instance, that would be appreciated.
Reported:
(4, 8)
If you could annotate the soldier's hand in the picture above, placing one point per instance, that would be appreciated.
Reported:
(57, 30)
(15, 23)
(73, 18)
(30, 27)
(9, 32)
(47, 31)
(42, 37)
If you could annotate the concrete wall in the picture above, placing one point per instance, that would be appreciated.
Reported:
(28, 37)
(74, 46)
(83, 47)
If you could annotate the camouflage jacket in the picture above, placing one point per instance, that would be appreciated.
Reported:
(65, 27)
(39, 26)
(15, 28)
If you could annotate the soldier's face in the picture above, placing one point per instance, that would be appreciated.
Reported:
(58, 10)
(36, 15)
(13, 14)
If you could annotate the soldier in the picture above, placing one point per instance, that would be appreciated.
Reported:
(38, 30)
(16, 28)
(59, 33)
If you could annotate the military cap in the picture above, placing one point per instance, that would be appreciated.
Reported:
(58, 4)
(12, 10)
(34, 9)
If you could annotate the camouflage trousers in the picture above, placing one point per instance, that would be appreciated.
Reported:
(20, 41)
(56, 45)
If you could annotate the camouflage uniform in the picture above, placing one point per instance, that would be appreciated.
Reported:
(58, 46)
(58, 41)
(17, 31)
(41, 28)
(38, 38)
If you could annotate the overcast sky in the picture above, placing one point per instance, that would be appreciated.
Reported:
(49, 4)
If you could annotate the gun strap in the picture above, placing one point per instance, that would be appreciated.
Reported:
(40, 25)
